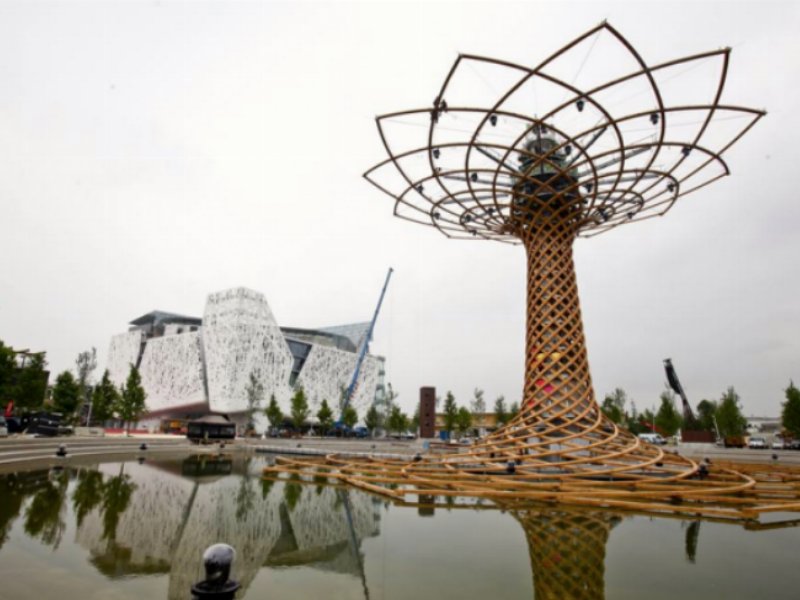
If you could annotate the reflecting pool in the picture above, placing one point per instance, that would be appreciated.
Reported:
(131, 530)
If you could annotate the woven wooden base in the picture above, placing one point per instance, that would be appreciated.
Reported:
(738, 492)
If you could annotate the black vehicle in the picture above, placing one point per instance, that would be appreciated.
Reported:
(44, 424)
(39, 423)
(211, 427)
(14, 425)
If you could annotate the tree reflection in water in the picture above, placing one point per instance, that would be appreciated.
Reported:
(88, 493)
(116, 497)
(246, 496)
(44, 517)
(292, 490)
(14, 488)
(692, 533)
(158, 518)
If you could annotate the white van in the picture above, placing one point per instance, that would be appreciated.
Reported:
(652, 438)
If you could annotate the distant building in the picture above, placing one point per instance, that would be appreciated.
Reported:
(191, 366)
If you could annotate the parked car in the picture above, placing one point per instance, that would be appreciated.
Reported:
(778, 444)
(652, 438)
(3, 427)
(361, 432)
(757, 443)
(793, 445)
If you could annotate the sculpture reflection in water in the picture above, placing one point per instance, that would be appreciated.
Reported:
(567, 550)
(158, 517)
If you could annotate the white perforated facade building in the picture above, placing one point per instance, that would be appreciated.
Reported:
(191, 366)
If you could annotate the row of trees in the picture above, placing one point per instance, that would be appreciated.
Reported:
(460, 419)
(725, 412)
(23, 380)
(104, 401)
(299, 409)
(723, 415)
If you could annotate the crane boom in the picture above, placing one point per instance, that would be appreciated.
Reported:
(675, 384)
(364, 347)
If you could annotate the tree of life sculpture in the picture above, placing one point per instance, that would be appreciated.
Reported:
(617, 150)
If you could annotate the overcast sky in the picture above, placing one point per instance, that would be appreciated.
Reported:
(154, 152)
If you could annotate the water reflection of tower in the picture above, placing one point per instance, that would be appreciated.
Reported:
(567, 552)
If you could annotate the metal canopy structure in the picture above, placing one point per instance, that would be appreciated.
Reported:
(615, 152)
(540, 159)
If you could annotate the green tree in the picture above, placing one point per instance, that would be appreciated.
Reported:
(463, 420)
(398, 421)
(325, 416)
(273, 412)
(85, 365)
(66, 394)
(647, 419)
(105, 398)
(668, 419)
(790, 415)
(450, 412)
(389, 399)
(131, 404)
(614, 405)
(8, 374)
(32, 382)
(705, 415)
(632, 421)
(500, 411)
(478, 404)
(730, 420)
(350, 416)
(513, 410)
(414, 422)
(255, 395)
(299, 408)
(372, 419)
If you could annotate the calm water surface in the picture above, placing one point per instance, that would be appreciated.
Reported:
(130, 530)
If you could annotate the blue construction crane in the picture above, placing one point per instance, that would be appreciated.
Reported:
(364, 348)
